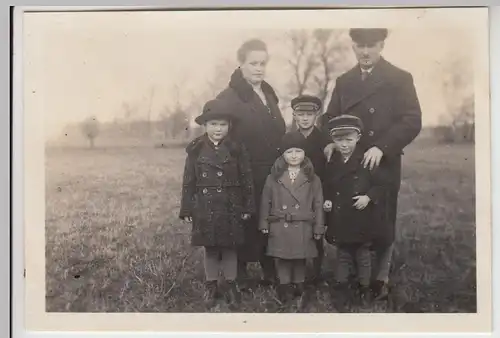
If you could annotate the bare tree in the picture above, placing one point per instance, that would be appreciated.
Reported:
(330, 49)
(90, 129)
(151, 95)
(302, 60)
(458, 92)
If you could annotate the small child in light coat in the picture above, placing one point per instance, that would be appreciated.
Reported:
(291, 213)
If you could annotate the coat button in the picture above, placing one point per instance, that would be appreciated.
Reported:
(338, 193)
(219, 173)
(219, 189)
(205, 190)
(371, 133)
(297, 206)
(285, 225)
(371, 110)
(285, 207)
(204, 174)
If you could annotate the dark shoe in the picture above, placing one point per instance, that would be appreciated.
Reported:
(341, 295)
(210, 293)
(365, 294)
(380, 290)
(233, 295)
(266, 283)
(298, 289)
(283, 292)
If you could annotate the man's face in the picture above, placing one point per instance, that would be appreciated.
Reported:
(304, 119)
(368, 53)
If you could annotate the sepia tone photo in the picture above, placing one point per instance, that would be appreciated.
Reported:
(324, 163)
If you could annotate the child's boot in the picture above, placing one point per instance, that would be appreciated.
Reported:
(299, 289)
(341, 296)
(210, 293)
(283, 291)
(233, 295)
(365, 294)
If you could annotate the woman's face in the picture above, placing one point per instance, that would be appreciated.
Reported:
(294, 156)
(254, 66)
(217, 129)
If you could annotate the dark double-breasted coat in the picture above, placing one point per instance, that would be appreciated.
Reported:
(292, 212)
(217, 189)
(260, 128)
(342, 182)
(388, 105)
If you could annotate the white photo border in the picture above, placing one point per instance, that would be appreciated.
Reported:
(18, 180)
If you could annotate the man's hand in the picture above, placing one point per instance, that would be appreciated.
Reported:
(188, 219)
(265, 231)
(372, 158)
(317, 237)
(361, 202)
(245, 217)
(328, 151)
(327, 206)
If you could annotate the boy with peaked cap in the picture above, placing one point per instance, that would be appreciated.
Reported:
(306, 109)
(384, 97)
(355, 199)
(217, 197)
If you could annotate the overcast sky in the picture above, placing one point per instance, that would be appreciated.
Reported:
(79, 64)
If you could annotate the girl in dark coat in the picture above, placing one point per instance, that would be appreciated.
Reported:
(260, 128)
(355, 199)
(292, 214)
(217, 197)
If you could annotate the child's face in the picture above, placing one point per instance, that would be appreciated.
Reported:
(294, 156)
(305, 119)
(217, 129)
(346, 143)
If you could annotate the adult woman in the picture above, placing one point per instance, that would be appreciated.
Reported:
(260, 128)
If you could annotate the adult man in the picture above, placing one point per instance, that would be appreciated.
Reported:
(383, 96)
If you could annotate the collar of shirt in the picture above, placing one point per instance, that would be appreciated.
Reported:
(366, 70)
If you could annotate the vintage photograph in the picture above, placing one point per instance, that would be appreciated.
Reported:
(196, 165)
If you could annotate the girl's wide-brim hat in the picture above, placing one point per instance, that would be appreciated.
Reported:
(293, 139)
(215, 110)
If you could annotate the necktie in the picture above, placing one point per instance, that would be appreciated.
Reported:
(364, 75)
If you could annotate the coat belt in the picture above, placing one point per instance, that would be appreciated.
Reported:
(291, 217)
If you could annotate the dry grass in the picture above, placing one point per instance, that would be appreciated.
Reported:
(114, 243)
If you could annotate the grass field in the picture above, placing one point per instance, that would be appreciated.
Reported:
(115, 244)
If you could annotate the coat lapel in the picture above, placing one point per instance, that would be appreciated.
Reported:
(341, 169)
(293, 188)
(209, 156)
(360, 90)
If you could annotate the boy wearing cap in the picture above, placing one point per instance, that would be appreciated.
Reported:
(384, 97)
(306, 109)
(354, 202)
(217, 197)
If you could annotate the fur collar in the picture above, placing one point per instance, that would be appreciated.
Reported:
(245, 90)
(280, 166)
(194, 146)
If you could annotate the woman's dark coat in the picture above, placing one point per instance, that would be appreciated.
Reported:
(260, 128)
(217, 189)
(388, 105)
(342, 182)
